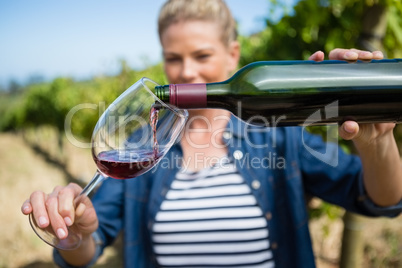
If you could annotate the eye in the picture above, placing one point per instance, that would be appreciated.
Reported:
(203, 57)
(172, 59)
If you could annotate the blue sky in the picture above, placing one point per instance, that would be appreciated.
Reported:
(82, 38)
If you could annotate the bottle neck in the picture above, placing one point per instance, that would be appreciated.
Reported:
(184, 96)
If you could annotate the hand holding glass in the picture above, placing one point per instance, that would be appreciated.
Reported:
(130, 138)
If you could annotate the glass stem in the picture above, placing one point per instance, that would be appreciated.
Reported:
(96, 179)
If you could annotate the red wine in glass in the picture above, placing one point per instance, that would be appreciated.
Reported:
(127, 164)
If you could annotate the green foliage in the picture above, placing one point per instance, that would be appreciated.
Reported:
(331, 212)
(393, 36)
(322, 25)
(45, 104)
(49, 103)
(9, 110)
(324, 208)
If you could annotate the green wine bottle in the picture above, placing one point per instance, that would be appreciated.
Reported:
(289, 93)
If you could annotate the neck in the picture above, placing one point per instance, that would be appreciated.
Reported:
(202, 142)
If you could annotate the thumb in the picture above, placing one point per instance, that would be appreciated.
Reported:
(349, 130)
(79, 211)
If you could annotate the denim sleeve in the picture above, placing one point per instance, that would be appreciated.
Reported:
(109, 205)
(98, 251)
(336, 177)
(375, 210)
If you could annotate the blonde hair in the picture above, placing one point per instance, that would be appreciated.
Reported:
(216, 11)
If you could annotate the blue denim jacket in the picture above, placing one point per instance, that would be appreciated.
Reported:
(280, 165)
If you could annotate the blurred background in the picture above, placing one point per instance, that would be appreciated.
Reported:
(55, 55)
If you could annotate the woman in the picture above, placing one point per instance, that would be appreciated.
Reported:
(216, 208)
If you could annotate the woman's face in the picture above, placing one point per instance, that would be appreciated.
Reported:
(194, 53)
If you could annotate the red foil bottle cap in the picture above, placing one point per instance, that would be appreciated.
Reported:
(188, 95)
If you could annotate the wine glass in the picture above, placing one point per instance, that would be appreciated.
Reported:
(131, 137)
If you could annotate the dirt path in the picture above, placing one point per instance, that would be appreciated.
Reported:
(21, 172)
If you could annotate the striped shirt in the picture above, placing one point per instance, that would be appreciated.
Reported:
(211, 219)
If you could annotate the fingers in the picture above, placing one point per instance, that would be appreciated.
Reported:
(55, 211)
(348, 55)
(317, 56)
(354, 55)
(377, 55)
(26, 207)
(349, 130)
(58, 225)
(38, 208)
(66, 198)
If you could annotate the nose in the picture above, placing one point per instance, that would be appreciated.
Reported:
(189, 71)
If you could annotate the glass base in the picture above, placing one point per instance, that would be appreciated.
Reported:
(72, 241)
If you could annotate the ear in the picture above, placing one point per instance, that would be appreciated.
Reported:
(233, 55)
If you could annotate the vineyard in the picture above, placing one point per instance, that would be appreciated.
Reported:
(45, 129)
(48, 104)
